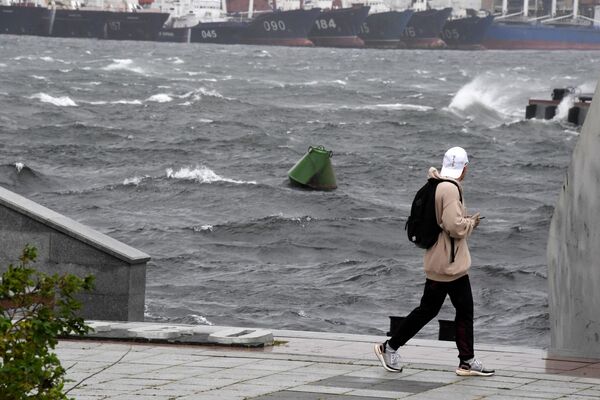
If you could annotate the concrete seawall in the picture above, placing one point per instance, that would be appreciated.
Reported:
(574, 249)
(66, 246)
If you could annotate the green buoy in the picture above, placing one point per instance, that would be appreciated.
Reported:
(314, 170)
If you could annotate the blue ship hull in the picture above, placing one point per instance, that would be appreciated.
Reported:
(17, 20)
(537, 36)
(466, 33)
(384, 30)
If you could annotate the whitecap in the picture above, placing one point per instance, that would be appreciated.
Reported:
(204, 228)
(160, 98)
(201, 174)
(62, 101)
(38, 77)
(175, 60)
(2, 65)
(397, 106)
(124, 65)
(47, 59)
(200, 320)
(133, 102)
(135, 181)
(19, 166)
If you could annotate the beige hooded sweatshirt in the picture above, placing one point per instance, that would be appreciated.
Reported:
(452, 218)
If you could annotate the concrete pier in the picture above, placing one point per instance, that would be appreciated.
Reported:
(66, 246)
(574, 249)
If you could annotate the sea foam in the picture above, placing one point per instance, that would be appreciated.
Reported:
(62, 101)
(124, 65)
(201, 174)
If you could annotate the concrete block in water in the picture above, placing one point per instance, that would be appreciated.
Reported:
(574, 249)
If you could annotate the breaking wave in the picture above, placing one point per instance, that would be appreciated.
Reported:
(62, 101)
(160, 98)
(124, 65)
(201, 174)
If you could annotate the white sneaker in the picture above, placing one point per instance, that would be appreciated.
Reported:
(473, 367)
(390, 359)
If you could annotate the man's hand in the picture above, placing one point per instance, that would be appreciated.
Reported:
(476, 218)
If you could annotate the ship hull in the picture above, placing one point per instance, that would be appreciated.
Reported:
(466, 33)
(177, 35)
(17, 20)
(279, 28)
(527, 36)
(384, 30)
(339, 27)
(424, 28)
(77, 24)
(227, 32)
(134, 25)
(81, 23)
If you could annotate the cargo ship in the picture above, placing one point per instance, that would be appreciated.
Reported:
(24, 19)
(466, 33)
(276, 28)
(573, 31)
(509, 35)
(424, 29)
(84, 22)
(384, 29)
(339, 27)
(183, 16)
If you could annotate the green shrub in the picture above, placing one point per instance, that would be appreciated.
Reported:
(35, 309)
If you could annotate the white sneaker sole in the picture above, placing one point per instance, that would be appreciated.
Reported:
(379, 355)
(466, 372)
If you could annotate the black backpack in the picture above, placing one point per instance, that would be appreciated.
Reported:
(422, 228)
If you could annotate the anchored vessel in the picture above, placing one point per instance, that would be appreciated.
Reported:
(339, 27)
(424, 28)
(384, 29)
(287, 28)
(83, 22)
(551, 31)
(466, 33)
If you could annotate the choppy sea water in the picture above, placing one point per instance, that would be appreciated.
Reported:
(182, 151)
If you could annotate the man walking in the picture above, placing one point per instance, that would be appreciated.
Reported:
(446, 266)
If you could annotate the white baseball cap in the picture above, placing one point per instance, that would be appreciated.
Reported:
(454, 162)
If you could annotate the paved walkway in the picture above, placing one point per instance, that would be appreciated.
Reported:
(310, 365)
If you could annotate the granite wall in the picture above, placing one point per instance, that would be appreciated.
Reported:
(574, 249)
(66, 246)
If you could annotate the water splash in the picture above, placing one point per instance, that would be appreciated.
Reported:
(62, 101)
(201, 174)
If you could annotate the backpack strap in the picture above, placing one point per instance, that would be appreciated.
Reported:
(452, 252)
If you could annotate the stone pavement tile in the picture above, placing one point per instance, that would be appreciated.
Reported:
(379, 372)
(578, 397)
(329, 368)
(432, 376)
(107, 392)
(288, 378)
(378, 393)
(249, 390)
(216, 395)
(238, 373)
(173, 373)
(460, 391)
(171, 390)
(320, 389)
(350, 382)
(594, 392)
(503, 378)
(204, 383)
(289, 395)
(554, 386)
(277, 365)
(505, 397)
(545, 377)
(490, 383)
(593, 381)
(222, 362)
(133, 396)
(528, 394)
